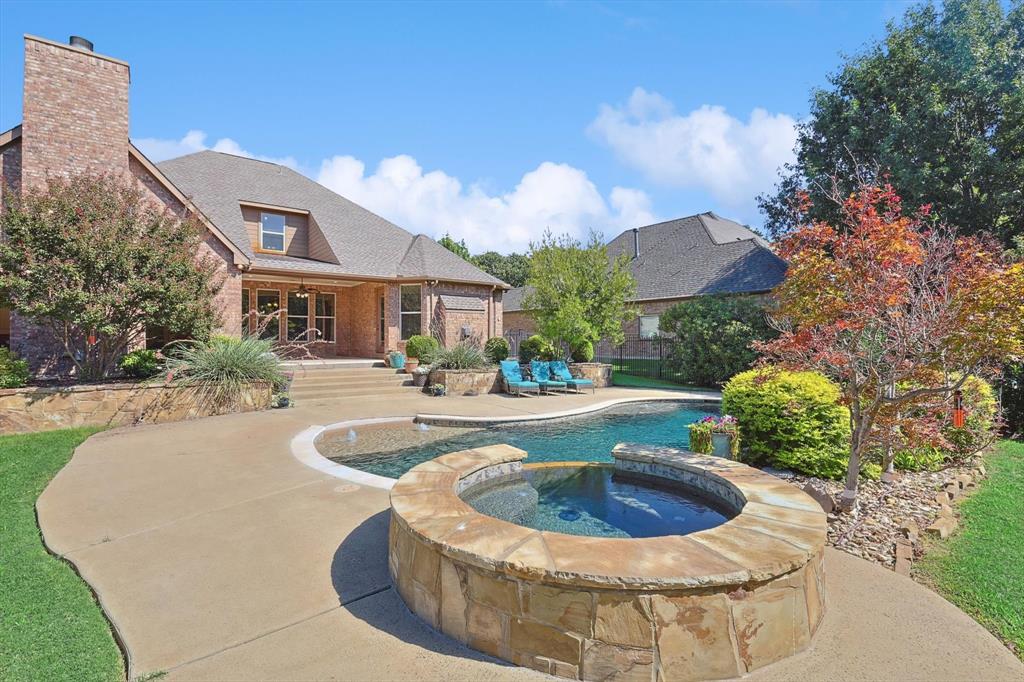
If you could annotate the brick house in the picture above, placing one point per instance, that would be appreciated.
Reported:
(679, 260)
(282, 241)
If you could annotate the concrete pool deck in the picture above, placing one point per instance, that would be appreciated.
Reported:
(218, 555)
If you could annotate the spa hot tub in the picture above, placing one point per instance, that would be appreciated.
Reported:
(685, 567)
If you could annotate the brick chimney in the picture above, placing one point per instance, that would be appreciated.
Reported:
(75, 114)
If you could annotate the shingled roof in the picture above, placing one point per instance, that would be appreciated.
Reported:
(692, 256)
(364, 244)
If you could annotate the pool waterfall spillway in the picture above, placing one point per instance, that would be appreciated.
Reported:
(710, 604)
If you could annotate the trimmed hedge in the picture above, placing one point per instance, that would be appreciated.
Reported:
(536, 347)
(582, 351)
(140, 364)
(791, 420)
(14, 372)
(497, 349)
(423, 348)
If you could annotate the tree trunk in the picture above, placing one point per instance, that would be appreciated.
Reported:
(848, 498)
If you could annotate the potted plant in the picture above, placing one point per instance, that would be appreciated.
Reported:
(420, 349)
(396, 360)
(281, 400)
(718, 436)
(419, 376)
(437, 390)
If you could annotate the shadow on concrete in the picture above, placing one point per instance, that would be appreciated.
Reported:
(359, 573)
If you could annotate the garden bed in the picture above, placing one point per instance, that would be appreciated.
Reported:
(467, 381)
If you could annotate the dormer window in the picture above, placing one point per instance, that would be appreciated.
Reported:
(272, 232)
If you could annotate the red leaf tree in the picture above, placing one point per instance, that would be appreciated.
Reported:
(899, 310)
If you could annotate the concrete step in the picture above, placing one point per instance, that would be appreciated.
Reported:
(333, 364)
(340, 382)
(354, 392)
(362, 373)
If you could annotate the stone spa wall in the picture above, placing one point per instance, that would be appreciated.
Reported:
(709, 605)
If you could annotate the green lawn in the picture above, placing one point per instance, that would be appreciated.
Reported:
(50, 626)
(981, 569)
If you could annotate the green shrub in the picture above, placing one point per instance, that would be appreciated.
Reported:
(423, 348)
(224, 367)
(926, 458)
(461, 356)
(140, 364)
(582, 351)
(497, 349)
(710, 337)
(13, 371)
(790, 419)
(536, 347)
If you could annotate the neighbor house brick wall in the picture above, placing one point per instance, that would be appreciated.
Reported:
(519, 321)
(10, 168)
(75, 112)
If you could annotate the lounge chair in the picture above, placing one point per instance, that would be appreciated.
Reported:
(561, 372)
(541, 371)
(514, 382)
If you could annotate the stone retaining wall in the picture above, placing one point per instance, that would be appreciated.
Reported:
(598, 372)
(709, 605)
(24, 410)
(467, 381)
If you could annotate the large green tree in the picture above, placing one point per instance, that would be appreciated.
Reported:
(578, 293)
(513, 269)
(93, 262)
(938, 106)
(457, 247)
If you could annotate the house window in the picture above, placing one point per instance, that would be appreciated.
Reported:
(272, 232)
(245, 312)
(298, 316)
(325, 317)
(268, 302)
(649, 325)
(383, 327)
(410, 308)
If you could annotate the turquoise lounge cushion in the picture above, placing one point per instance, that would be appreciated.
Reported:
(562, 372)
(541, 370)
(510, 370)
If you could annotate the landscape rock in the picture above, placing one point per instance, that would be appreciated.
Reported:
(820, 494)
(943, 527)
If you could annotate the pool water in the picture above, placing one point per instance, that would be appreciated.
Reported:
(587, 438)
(596, 501)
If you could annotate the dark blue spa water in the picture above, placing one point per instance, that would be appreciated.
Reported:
(588, 438)
(593, 500)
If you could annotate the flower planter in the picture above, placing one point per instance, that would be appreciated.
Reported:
(411, 364)
(467, 381)
(722, 445)
(598, 372)
(420, 378)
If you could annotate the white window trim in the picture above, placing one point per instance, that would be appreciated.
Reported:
(304, 336)
(403, 313)
(640, 326)
(332, 318)
(256, 304)
(284, 232)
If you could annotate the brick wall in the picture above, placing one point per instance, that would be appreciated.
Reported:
(75, 112)
(10, 168)
(447, 324)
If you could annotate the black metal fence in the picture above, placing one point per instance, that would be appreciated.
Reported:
(637, 355)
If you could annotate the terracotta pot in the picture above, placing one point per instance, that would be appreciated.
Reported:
(411, 364)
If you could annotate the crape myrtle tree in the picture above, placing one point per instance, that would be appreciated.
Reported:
(93, 262)
(579, 294)
(938, 103)
(899, 310)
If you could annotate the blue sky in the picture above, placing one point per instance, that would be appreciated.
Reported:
(489, 121)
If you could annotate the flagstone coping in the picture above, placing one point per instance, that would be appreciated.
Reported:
(709, 605)
(777, 527)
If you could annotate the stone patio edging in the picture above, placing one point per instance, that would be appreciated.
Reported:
(304, 449)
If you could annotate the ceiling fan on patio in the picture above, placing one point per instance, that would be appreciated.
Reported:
(304, 291)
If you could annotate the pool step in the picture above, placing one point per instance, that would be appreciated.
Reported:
(326, 382)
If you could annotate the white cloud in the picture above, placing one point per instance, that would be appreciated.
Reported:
(553, 195)
(157, 149)
(705, 149)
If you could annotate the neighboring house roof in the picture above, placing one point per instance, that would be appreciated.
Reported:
(451, 302)
(692, 256)
(363, 243)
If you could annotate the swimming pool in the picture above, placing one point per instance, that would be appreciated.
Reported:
(392, 449)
